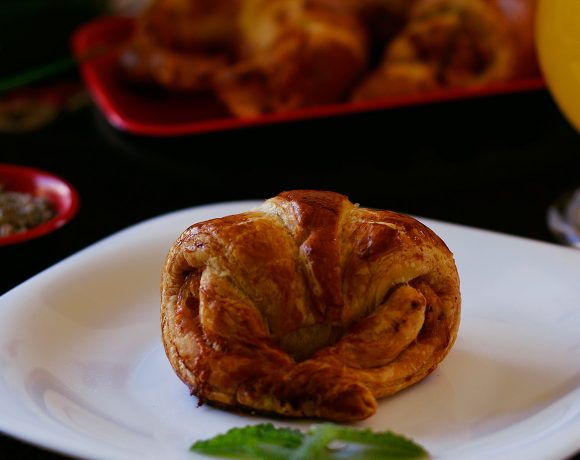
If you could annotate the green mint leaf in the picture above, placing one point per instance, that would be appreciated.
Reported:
(322, 442)
(385, 444)
(315, 443)
(262, 441)
(356, 444)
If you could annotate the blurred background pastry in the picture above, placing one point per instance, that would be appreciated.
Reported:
(455, 43)
(180, 44)
(293, 53)
(270, 56)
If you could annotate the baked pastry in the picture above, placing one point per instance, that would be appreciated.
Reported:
(179, 45)
(453, 44)
(293, 54)
(307, 306)
(256, 56)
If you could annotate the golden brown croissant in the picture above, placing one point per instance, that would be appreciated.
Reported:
(456, 43)
(308, 306)
(180, 44)
(292, 54)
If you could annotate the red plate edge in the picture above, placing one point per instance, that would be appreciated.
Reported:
(102, 31)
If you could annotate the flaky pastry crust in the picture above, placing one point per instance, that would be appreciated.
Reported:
(454, 44)
(308, 306)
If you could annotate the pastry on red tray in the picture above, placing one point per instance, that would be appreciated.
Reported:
(453, 44)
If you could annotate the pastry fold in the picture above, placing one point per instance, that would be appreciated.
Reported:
(454, 44)
(255, 56)
(292, 54)
(307, 306)
(180, 45)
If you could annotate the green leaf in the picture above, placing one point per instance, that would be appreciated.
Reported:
(265, 442)
(387, 442)
(367, 444)
(315, 444)
(262, 441)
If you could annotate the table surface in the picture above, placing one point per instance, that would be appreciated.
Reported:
(494, 163)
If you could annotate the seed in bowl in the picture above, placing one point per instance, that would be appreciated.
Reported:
(20, 211)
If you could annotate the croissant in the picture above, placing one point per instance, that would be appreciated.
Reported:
(180, 44)
(292, 54)
(307, 306)
(455, 43)
(256, 56)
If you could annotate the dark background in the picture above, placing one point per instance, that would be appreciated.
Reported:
(495, 163)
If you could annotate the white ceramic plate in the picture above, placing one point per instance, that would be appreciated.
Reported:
(83, 370)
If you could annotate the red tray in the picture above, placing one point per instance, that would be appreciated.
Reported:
(161, 114)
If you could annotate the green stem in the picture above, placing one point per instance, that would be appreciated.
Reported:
(54, 68)
(39, 73)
